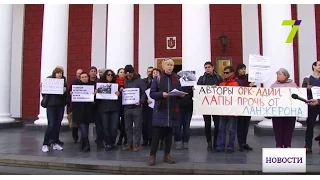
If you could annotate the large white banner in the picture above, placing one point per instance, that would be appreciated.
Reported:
(249, 101)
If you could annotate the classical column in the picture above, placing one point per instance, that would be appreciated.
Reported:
(119, 36)
(5, 56)
(274, 36)
(196, 42)
(54, 46)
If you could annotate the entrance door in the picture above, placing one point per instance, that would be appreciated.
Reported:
(177, 63)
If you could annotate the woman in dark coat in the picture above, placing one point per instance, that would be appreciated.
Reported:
(166, 113)
(109, 112)
(82, 114)
(121, 77)
(243, 121)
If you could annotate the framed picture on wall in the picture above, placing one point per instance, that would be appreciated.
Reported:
(221, 63)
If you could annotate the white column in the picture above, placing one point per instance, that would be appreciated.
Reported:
(196, 43)
(99, 35)
(6, 11)
(54, 46)
(146, 38)
(274, 36)
(307, 43)
(120, 36)
(250, 35)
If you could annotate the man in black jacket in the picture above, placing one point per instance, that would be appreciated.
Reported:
(147, 113)
(210, 77)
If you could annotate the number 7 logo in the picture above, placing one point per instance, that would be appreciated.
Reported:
(295, 26)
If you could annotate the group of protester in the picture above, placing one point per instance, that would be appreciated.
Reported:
(170, 116)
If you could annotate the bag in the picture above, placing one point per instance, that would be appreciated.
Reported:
(44, 101)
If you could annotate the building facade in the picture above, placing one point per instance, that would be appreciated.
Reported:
(41, 37)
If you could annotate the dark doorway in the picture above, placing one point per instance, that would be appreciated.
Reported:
(177, 68)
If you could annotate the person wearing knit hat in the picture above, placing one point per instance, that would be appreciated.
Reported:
(133, 112)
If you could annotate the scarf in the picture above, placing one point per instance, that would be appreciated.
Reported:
(120, 81)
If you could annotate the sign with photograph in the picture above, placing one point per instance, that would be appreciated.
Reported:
(107, 91)
(187, 78)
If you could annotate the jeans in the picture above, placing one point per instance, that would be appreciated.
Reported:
(221, 141)
(158, 133)
(243, 124)
(183, 135)
(110, 122)
(283, 128)
(84, 130)
(207, 128)
(99, 129)
(133, 123)
(54, 116)
(313, 112)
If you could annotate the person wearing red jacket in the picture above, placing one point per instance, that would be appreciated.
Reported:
(229, 80)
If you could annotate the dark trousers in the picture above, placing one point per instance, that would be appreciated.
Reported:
(99, 129)
(313, 112)
(54, 116)
(243, 124)
(121, 125)
(207, 128)
(110, 122)
(182, 132)
(147, 124)
(221, 141)
(283, 128)
(159, 132)
(84, 130)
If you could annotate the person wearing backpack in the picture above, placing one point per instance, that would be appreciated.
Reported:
(210, 77)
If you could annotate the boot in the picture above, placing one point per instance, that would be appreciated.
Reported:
(168, 159)
(119, 143)
(99, 144)
(75, 135)
(152, 161)
(209, 148)
(82, 145)
(86, 145)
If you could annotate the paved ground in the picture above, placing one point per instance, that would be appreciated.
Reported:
(19, 147)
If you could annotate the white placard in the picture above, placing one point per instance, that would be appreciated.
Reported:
(130, 96)
(150, 99)
(187, 78)
(107, 91)
(249, 101)
(284, 160)
(259, 68)
(315, 92)
(176, 92)
(82, 93)
(52, 86)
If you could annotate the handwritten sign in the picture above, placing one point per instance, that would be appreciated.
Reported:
(130, 96)
(249, 101)
(259, 68)
(315, 92)
(82, 93)
(52, 86)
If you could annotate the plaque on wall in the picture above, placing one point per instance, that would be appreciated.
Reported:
(221, 63)
(171, 42)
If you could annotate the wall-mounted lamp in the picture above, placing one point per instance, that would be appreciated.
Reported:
(223, 41)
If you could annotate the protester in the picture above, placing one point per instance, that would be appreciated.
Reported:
(82, 114)
(133, 112)
(283, 127)
(55, 105)
(229, 80)
(166, 112)
(120, 79)
(243, 122)
(109, 112)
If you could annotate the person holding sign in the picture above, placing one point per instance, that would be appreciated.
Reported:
(133, 112)
(243, 122)
(166, 113)
(109, 112)
(82, 114)
(120, 79)
(210, 77)
(229, 80)
(283, 127)
(313, 111)
(55, 105)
